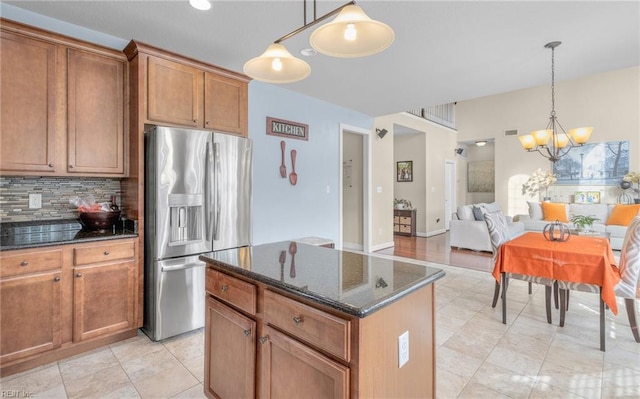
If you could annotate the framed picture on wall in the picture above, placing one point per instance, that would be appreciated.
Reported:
(404, 171)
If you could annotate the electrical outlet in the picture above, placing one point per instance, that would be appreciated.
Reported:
(403, 349)
(35, 201)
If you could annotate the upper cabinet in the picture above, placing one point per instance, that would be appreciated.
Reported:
(95, 132)
(175, 93)
(225, 104)
(28, 106)
(183, 92)
(64, 105)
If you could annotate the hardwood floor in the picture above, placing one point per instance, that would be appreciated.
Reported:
(436, 249)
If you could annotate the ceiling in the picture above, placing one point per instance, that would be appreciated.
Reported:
(443, 51)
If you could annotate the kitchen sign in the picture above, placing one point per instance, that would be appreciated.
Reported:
(282, 128)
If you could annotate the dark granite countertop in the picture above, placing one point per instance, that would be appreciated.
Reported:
(42, 233)
(356, 284)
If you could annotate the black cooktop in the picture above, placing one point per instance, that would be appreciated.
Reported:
(19, 235)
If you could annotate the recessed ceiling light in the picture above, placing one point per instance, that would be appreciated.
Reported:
(200, 4)
(308, 52)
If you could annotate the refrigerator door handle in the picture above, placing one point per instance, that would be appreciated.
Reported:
(208, 188)
(216, 150)
(182, 267)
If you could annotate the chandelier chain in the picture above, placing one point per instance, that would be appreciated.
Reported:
(553, 85)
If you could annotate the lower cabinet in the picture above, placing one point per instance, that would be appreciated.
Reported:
(290, 369)
(30, 315)
(102, 300)
(66, 297)
(230, 344)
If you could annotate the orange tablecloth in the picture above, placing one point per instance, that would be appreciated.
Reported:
(581, 259)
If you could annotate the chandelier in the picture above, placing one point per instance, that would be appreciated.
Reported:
(554, 142)
(351, 34)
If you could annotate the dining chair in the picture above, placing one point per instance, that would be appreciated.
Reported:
(628, 287)
(499, 234)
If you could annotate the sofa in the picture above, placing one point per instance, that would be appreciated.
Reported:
(468, 230)
(609, 218)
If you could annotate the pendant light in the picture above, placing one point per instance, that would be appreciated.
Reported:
(554, 142)
(351, 34)
(277, 65)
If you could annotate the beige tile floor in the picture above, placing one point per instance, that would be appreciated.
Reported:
(477, 356)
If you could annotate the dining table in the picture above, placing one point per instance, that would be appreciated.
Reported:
(580, 259)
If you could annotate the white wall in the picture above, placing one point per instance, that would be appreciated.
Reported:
(610, 102)
(282, 211)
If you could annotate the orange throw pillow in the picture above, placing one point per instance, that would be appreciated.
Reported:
(622, 215)
(552, 212)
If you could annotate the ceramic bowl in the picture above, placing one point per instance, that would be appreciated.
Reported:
(99, 220)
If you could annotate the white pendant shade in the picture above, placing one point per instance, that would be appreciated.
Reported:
(352, 34)
(277, 65)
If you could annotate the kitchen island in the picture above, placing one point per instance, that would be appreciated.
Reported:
(293, 320)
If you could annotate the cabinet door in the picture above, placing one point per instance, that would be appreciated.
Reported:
(28, 104)
(29, 315)
(175, 93)
(230, 353)
(103, 300)
(225, 104)
(96, 124)
(289, 368)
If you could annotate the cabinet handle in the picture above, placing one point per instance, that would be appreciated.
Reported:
(70, 166)
(224, 288)
(50, 165)
(247, 332)
(297, 320)
(263, 339)
(24, 263)
(56, 279)
(78, 274)
(207, 123)
(195, 121)
(106, 252)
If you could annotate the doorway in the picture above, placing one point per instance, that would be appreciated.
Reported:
(355, 184)
(449, 191)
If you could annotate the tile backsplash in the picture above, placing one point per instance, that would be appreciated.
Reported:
(56, 191)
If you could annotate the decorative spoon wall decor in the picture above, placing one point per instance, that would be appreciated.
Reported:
(283, 167)
(293, 176)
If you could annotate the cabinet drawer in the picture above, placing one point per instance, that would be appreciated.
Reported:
(396, 219)
(405, 220)
(318, 328)
(405, 229)
(103, 253)
(396, 228)
(234, 291)
(30, 262)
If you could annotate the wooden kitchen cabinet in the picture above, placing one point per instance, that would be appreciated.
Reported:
(231, 345)
(290, 369)
(96, 113)
(225, 104)
(64, 105)
(30, 315)
(179, 91)
(175, 93)
(103, 290)
(29, 104)
(59, 301)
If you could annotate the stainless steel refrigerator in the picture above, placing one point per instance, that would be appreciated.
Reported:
(197, 199)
